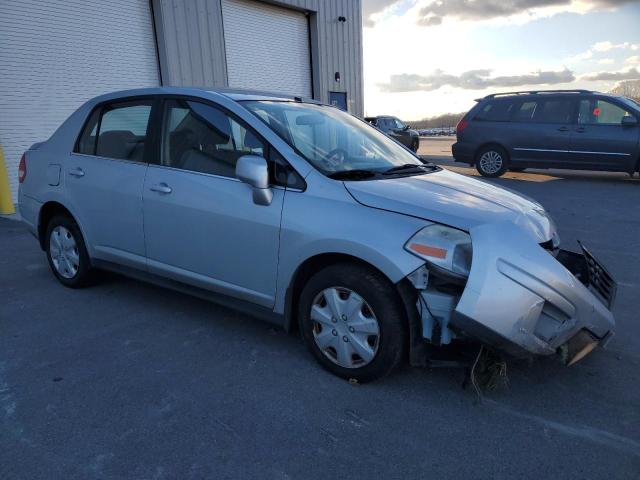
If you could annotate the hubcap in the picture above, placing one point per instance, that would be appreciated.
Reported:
(64, 252)
(345, 327)
(491, 162)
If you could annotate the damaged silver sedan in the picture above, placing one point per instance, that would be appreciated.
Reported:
(313, 219)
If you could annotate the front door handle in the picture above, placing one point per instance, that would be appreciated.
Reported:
(563, 129)
(580, 129)
(77, 172)
(161, 188)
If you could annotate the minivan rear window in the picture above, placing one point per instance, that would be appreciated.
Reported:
(496, 111)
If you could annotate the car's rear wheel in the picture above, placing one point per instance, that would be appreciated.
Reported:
(66, 252)
(353, 322)
(492, 161)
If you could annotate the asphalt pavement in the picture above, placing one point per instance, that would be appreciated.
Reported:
(127, 380)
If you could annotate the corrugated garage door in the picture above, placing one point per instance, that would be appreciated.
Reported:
(267, 47)
(54, 55)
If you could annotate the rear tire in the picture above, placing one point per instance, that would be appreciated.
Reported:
(66, 252)
(492, 161)
(353, 322)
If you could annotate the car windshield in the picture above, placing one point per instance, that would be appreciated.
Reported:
(632, 102)
(334, 141)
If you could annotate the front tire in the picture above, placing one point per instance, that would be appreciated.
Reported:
(492, 161)
(415, 145)
(353, 322)
(66, 252)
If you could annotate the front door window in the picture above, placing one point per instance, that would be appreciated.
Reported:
(600, 112)
(202, 138)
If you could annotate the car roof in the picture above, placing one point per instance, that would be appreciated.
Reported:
(538, 93)
(231, 93)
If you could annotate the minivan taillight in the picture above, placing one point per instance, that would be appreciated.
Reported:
(22, 169)
(462, 124)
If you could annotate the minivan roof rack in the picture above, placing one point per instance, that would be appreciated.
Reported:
(530, 92)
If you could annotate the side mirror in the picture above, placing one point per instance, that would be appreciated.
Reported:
(407, 127)
(253, 170)
(629, 121)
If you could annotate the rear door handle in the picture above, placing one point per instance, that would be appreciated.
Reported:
(161, 188)
(77, 172)
(563, 129)
(580, 129)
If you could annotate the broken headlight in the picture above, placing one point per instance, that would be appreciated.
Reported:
(446, 248)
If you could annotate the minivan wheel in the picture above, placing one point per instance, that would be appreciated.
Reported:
(66, 252)
(353, 322)
(492, 161)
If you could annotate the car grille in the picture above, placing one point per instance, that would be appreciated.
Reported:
(600, 281)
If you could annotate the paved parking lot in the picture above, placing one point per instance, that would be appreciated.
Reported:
(126, 380)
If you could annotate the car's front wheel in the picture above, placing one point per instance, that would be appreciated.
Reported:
(353, 322)
(492, 161)
(66, 252)
(415, 145)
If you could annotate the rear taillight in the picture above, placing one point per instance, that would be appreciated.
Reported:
(462, 124)
(22, 169)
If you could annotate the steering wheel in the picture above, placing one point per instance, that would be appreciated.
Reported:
(335, 158)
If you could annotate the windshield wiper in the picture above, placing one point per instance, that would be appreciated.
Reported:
(408, 167)
(357, 174)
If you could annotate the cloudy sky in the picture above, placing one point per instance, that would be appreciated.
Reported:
(427, 57)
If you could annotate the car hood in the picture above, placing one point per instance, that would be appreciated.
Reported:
(455, 200)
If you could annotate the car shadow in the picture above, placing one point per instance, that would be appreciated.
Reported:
(187, 314)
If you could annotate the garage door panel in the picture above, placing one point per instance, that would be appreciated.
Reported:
(267, 47)
(56, 55)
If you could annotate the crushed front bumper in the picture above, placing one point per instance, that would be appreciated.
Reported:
(522, 300)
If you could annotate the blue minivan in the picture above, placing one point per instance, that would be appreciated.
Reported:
(572, 129)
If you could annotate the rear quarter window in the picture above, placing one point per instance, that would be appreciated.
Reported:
(496, 111)
(87, 140)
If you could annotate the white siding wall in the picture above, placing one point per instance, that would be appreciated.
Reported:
(267, 47)
(54, 55)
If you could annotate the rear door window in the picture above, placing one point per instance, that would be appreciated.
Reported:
(526, 111)
(594, 111)
(496, 111)
(117, 130)
(386, 123)
(554, 110)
